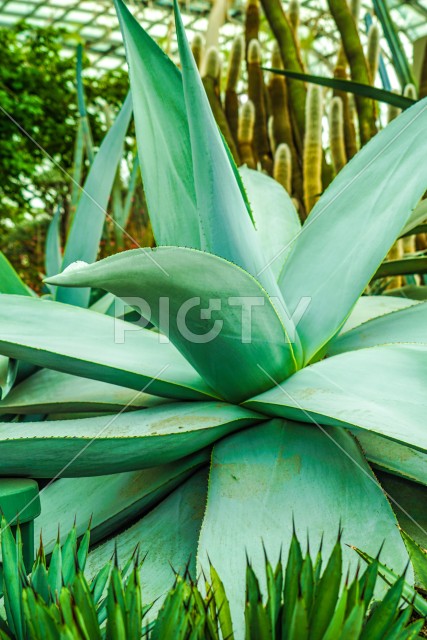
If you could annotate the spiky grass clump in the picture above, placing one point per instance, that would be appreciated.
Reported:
(57, 602)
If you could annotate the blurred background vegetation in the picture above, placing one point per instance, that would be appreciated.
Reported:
(38, 90)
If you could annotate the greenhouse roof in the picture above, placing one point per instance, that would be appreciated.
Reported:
(96, 23)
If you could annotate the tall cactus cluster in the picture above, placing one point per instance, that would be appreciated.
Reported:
(312, 161)
(300, 134)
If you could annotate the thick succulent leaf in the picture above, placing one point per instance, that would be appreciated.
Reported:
(8, 371)
(353, 225)
(382, 389)
(118, 442)
(86, 230)
(92, 345)
(418, 215)
(404, 326)
(10, 282)
(168, 535)
(53, 254)
(393, 457)
(368, 307)
(108, 502)
(49, 391)
(227, 228)
(266, 477)
(418, 557)
(206, 296)
(162, 135)
(410, 504)
(276, 219)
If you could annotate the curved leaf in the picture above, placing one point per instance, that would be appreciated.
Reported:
(92, 345)
(393, 457)
(200, 203)
(10, 282)
(403, 267)
(167, 536)
(119, 442)
(203, 303)
(276, 219)
(49, 391)
(88, 222)
(107, 502)
(227, 228)
(400, 60)
(381, 389)
(405, 326)
(368, 307)
(266, 477)
(356, 88)
(53, 255)
(353, 225)
(8, 371)
(415, 292)
(409, 499)
(418, 215)
(163, 137)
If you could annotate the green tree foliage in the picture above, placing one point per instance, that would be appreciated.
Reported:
(39, 119)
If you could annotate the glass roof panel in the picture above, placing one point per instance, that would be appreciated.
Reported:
(96, 22)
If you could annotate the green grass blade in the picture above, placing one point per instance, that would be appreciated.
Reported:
(400, 61)
(403, 267)
(356, 88)
(88, 222)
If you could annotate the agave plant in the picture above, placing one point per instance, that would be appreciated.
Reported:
(258, 360)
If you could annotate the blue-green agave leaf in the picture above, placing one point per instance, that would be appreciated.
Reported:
(353, 225)
(88, 222)
(265, 478)
(381, 389)
(92, 345)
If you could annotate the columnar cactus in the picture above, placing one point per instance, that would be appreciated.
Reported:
(233, 75)
(256, 93)
(281, 126)
(345, 22)
(336, 134)
(355, 10)
(294, 15)
(252, 21)
(198, 49)
(373, 50)
(212, 68)
(312, 161)
(282, 168)
(410, 91)
(396, 253)
(245, 134)
(349, 128)
(392, 111)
